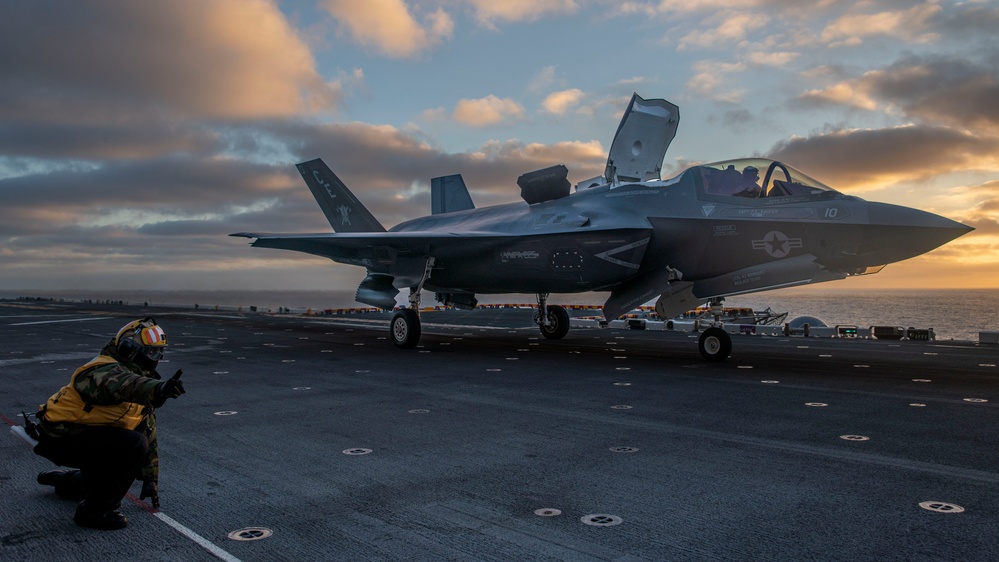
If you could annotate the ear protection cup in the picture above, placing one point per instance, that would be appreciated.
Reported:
(128, 348)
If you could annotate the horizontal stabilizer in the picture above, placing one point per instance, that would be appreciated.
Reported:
(342, 209)
(449, 194)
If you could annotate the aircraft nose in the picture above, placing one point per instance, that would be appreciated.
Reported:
(900, 233)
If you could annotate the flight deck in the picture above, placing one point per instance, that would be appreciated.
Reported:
(315, 438)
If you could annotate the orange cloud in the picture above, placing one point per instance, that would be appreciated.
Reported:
(223, 59)
(389, 27)
(489, 110)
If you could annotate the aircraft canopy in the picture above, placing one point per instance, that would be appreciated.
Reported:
(757, 177)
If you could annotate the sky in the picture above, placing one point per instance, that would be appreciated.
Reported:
(135, 136)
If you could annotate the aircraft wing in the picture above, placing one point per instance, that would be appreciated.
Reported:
(364, 248)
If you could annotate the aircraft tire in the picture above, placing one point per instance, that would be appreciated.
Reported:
(405, 328)
(715, 344)
(558, 326)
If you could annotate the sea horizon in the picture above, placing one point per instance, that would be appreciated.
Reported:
(957, 314)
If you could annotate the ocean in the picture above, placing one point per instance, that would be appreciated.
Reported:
(953, 314)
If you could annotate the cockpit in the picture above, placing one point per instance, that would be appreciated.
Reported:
(742, 178)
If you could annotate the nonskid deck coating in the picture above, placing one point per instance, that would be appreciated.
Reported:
(487, 424)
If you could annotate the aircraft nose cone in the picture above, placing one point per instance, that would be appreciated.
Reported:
(900, 233)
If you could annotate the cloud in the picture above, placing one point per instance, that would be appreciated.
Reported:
(543, 80)
(489, 110)
(939, 89)
(865, 159)
(910, 25)
(709, 78)
(560, 102)
(732, 28)
(388, 26)
(153, 61)
(489, 12)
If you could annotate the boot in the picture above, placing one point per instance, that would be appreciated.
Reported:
(97, 519)
(68, 484)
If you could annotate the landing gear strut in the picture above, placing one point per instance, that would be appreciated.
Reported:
(553, 320)
(405, 327)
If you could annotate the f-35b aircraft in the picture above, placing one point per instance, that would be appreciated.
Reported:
(711, 231)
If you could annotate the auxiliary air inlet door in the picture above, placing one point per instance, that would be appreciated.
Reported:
(647, 128)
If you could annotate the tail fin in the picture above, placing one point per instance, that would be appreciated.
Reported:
(449, 194)
(342, 209)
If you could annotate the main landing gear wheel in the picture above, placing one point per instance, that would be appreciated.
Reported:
(558, 323)
(715, 344)
(405, 328)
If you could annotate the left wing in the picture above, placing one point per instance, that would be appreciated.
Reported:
(362, 248)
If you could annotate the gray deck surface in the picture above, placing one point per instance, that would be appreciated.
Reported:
(486, 423)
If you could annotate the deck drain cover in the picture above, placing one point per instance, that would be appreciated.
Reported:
(976, 400)
(357, 451)
(419, 411)
(816, 404)
(770, 382)
(547, 512)
(921, 380)
(622, 384)
(601, 520)
(624, 449)
(941, 507)
(621, 407)
(302, 388)
(251, 534)
(855, 437)
(226, 413)
(918, 405)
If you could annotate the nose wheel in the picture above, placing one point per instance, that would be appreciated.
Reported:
(715, 344)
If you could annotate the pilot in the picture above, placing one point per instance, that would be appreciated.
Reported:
(103, 424)
(750, 182)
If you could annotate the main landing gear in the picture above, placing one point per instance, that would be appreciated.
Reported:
(553, 320)
(405, 327)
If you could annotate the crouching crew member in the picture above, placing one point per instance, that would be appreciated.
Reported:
(103, 424)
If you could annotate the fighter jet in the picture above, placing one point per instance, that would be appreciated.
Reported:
(711, 231)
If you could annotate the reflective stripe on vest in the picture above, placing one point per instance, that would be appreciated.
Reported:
(68, 406)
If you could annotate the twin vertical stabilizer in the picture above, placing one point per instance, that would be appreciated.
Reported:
(342, 209)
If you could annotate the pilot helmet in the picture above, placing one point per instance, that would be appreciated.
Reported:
(750, 171)
(141, 342)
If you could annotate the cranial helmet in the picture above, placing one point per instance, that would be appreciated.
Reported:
(141, 342)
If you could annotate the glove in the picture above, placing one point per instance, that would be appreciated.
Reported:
(172, 388)
(149, 491)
